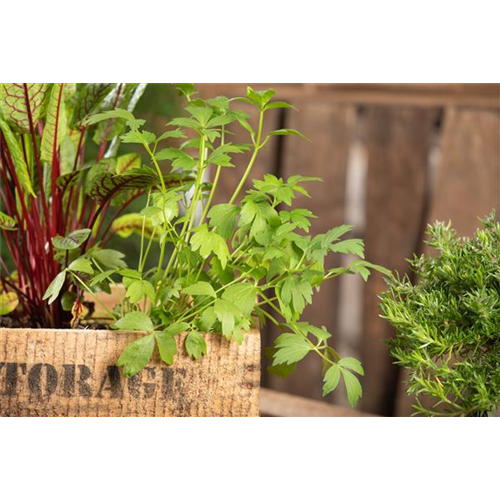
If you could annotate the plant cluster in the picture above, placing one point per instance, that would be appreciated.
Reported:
(53, 200)
(221, 269)
(448, 323)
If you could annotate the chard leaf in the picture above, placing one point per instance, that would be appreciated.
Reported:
(90, 96)
(14, 105)
(72, 240)
(7, 222)
(17, 158)
(55, 124)
(8, 302)
(129, 224)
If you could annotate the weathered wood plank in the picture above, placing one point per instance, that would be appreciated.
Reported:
(398, 142)
(330, 129)
(387, 94)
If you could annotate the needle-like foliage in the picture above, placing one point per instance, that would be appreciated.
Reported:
(448, 323)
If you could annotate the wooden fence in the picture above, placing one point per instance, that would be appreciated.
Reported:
(393, 157)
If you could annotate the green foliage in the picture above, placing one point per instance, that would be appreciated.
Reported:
(448, 323)
(233, 265)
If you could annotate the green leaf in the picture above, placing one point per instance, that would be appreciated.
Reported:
(81, 265)
(54, 288)
(224, 218)
(109, 258)
(177, 328)
(72, 240)
(331, 379)
(99, 278)
(354, 246)
(8, 302)
(280, 105)
(208, 242)
(287, 131)
(105, 185)
(352, 364)
(243, 296)
(282, 371)
(186, 89)
(291, 348)
(195, 345)
(201, 114)
(353, 387)
(136, 355)
(55, 124)
(13, 103)
(136, 321)
(125, 162)
(138, 289)
(7, 222)
(201, 288)
(167, 346)
(108, 115)
(90, 96)
(17, 158)
(129, 224)
(228, 315)
(171, 134)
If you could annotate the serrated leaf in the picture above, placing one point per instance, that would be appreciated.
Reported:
(136, 321)
(282, 371)
(108, 115)
(243, 296)
(167, 347)
(228, 315)
(17, 158)
(353, 387)
(81, 265)
(354, 246)
(195, 345)
(138, 289)
(109, 258)
(54, 288)
(72, 240)
(331, 379)
(209, 242)
(201, 288)
(55, 123)
(8, 302)
(224, 219)
(291, 348)
(201, 114)
(136, 355)
(352, 364)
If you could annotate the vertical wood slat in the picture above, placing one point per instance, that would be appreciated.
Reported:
(467, 182)
(398, 142)
(330, 131)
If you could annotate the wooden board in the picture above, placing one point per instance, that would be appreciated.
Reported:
(71, 373)
(398, 142)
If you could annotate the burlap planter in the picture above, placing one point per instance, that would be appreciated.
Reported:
(72, 373)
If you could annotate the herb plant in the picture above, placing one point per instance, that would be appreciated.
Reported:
(225, 268)
(53, 200)
(448, 323)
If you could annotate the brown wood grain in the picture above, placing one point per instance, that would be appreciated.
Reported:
(47, 373)
(398, 142)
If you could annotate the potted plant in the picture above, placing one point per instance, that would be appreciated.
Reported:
(187, 328)
(448, 323)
